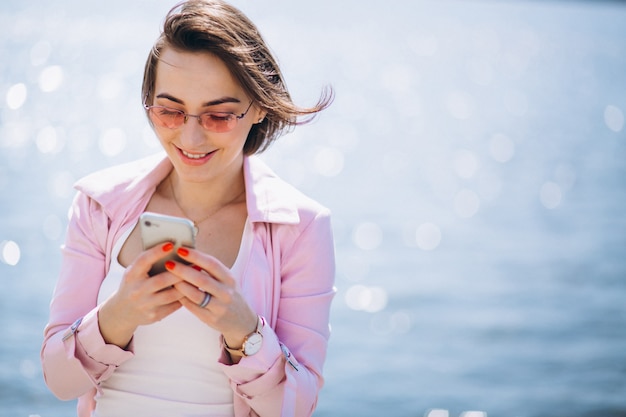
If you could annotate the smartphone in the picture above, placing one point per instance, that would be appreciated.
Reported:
(157, 229)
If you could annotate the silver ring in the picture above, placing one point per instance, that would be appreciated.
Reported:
(205, 301)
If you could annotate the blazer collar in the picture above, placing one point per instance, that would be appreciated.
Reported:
(269, 198)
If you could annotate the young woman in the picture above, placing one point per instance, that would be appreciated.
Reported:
(242, 329)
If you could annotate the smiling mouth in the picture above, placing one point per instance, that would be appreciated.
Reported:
(194, 155)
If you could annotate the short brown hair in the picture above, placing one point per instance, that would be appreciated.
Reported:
(218, 28)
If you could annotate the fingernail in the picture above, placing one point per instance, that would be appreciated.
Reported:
(168, 247)
(170, 265)
(183, 252)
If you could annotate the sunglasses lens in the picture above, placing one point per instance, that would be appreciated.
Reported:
(165, 117)
(218, 122)
(173, 119)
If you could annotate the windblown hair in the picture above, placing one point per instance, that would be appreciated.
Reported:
(218, 28)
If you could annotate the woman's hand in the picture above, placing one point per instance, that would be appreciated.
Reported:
(227, 311)
(140, 299)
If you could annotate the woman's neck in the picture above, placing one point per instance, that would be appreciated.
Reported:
(200, 200)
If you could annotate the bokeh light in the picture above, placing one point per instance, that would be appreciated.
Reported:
(16, 96)
(466, 203)
(112, 142)
(367, 236)
(501, 148)
(10, 252)
(48, 141)
(363, 298)
(465, 164)
(50, 78)
(428, 236)
(550, 195)
(460, 105)
(614, 118)
(436, 412)
(329, 162)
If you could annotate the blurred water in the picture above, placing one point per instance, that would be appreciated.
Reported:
(473, 159)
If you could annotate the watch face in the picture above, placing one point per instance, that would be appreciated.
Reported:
(253, 344)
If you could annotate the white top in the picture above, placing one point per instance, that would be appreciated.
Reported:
(174, 371)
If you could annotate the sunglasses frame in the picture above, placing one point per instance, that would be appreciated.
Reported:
(156, 120)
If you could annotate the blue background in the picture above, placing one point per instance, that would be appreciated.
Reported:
(474, 160)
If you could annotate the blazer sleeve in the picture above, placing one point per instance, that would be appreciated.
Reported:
(285, 377)
(74, 355)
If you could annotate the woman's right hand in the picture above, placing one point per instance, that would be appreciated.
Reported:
(140, 299)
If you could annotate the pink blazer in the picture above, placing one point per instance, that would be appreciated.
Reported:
(289, 280)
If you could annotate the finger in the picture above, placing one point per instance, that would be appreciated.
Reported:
(194, 281)
(191, 292)
(167, 296)
(209, 263)
(144, 261)
(163, 281)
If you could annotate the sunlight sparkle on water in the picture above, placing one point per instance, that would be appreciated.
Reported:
(614, 118)
(367, 236)
(329, 162)
(60, 184)
(386, 323)
(466, 203)
(16, 96)
(369, 299)
(428, 236)
(465, 164)
(48, 140)
(112, 142)
(50, 78)
(10, 252)
(109, 87)
(437, 413)
(550, 195)
(28, 369)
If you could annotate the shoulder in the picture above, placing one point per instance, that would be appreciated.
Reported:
(273, 200)
(121, 184)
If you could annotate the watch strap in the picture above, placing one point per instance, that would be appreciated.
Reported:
(241, 350)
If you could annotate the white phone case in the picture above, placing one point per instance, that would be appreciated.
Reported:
(158, 229)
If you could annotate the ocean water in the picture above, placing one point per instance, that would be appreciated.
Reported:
(474, 160)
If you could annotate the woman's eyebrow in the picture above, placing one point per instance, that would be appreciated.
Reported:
(215, 102)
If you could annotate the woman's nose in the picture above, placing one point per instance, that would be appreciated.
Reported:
(192, 133)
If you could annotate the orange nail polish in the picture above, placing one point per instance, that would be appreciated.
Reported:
(168, 247)
(183, 252)
(170, 265)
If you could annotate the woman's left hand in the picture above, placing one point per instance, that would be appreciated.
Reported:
(227, 310)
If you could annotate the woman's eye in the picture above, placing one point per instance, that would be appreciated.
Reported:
(168, 112)
(219, 117)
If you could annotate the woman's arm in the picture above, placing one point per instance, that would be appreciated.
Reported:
(75, 359)
(285, 377)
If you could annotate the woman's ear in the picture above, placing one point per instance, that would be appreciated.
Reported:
(260, 116)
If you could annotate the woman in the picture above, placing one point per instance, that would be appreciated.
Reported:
(243, 328)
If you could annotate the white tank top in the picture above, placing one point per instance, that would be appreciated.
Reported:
(174, 371)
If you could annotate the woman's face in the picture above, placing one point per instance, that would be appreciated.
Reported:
(197, 83)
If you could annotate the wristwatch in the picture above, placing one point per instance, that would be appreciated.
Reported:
(251, 343)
